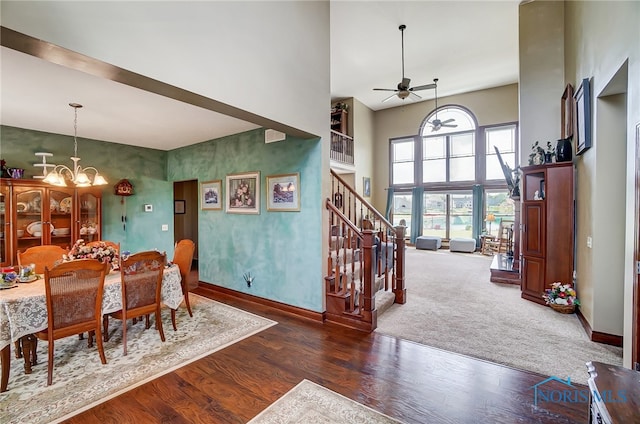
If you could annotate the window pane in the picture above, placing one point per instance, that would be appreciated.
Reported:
(435, 214)
(402, 210)
(460, 219)
(402, 173)
(462, 145)
(462, 169)
(494, 171)
(502, 138)
(434, 170)
(433, 147)
(500, 205)
(403, 151)
(461, 119)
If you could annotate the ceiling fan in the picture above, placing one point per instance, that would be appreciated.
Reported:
(404, 90)
(436, 124)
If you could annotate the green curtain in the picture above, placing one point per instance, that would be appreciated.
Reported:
(417, 206)
(478, 201)
(387, 211)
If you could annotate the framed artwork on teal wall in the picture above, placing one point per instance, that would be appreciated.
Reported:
(283, 193)
(243, 193)
(211, 195)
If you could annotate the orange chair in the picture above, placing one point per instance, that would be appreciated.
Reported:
(183, 257)
(79, 283)
(141, 284)
(45, 256)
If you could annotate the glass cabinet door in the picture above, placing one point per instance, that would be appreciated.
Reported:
(5, 227)
(61, 212)
(89, 216)
(30, 225)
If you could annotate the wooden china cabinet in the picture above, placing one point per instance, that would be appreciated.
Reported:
(547, 228)
(36, 213)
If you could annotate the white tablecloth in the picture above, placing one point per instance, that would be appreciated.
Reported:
(23, 310)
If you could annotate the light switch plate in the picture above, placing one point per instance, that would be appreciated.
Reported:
(165, 227)
(148, 208)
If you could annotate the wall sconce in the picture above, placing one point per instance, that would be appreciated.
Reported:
(248, 278)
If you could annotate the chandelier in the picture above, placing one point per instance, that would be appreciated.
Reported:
(77, 175)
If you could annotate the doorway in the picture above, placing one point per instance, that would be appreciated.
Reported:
(185, 215)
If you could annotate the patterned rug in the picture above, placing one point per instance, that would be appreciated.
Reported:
(80, 381)
(309, 402)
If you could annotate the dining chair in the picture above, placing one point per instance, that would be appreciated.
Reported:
(183, 257)
(44, 256)
(74, 303)
(141, 283)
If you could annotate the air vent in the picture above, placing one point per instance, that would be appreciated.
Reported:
(271, 136)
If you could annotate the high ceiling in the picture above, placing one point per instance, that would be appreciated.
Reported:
(468, 45)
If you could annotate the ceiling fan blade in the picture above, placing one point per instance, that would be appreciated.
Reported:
(449, 125)
(385, 89)
(414, 96)
(446, 121)
(423, 87)
(389, 98)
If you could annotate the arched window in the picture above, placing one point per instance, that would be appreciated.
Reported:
(462, 119)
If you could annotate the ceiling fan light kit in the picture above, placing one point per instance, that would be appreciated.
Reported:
(404, 88)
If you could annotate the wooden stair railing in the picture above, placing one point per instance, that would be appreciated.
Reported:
(360, 257)
(390, 255)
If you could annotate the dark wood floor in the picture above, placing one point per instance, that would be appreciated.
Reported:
(408, 381)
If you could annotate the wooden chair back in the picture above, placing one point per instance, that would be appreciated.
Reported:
(141, 282)
(74, 302)
(45, 256)
(183, 257)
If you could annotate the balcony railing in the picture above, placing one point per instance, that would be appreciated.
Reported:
(341, 148)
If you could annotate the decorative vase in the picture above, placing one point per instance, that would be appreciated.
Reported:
(563, 150)
(548, 158)
(563, 309)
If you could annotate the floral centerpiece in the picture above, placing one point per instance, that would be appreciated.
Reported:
(8, 276)
(99, 251)
(561, 297)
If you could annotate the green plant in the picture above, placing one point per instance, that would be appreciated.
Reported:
(536, 157)
(561, 294)
(550, 149)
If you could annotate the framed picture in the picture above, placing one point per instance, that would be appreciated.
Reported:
(582, 134)
(366, 186)
(283, 192)
(178, 206)
(243, 193)
(566, 109)
(211, 195)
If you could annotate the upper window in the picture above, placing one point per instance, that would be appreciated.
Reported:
(448, 146)
(504, 139)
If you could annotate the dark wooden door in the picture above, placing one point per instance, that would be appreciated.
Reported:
(533, 284)
(533, 234)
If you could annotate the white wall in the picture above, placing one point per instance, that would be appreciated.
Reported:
(600, 37)
(268, 58)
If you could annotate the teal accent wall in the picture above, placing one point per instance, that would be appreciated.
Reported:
(283, 250)
(144, 168)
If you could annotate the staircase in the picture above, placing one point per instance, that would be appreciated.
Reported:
(365, 261)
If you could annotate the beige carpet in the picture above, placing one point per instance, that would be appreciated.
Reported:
(452, 305)
(80, 381)
(309, 402)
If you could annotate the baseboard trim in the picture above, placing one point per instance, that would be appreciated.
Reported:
(294, 310)
(597, 336)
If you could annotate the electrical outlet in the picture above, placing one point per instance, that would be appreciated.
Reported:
(165, 227)
(589, 242)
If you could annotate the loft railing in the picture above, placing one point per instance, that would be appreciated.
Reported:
(341, 148)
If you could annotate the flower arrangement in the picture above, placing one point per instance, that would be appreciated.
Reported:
(8, 276)
(561, 294)
(100, 251)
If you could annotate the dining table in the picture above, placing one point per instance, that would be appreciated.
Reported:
(23, 309)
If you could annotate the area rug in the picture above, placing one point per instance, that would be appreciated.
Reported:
(80, 381)
(309, 402)
(452, 305)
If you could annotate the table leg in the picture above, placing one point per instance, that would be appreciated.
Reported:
(5, 359)
(29, 349)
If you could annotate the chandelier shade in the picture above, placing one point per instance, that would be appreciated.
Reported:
(60, 174)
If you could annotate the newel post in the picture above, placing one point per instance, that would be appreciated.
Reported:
(398, 288)
(368, 307)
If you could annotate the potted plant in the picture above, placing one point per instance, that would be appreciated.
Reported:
(561, 297)
(536, 157)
